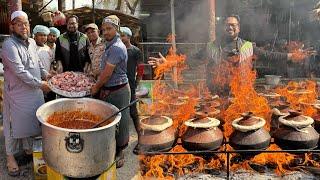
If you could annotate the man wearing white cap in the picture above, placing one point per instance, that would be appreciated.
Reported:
(113, 80)
(23, 89)
(45, 54)
(52, 38)
(134, 59)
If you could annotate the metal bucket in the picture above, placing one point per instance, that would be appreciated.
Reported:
(78, 153)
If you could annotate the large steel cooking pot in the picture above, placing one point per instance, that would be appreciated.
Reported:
(78, 153)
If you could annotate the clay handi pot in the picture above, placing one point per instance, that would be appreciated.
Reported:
(296, 132)
(202, 134)
(157, 133)
(249, 133)
(276, 114)
(316, 118)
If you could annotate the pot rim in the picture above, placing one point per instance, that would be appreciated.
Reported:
(271, 95)
(156, 127)
(277, 112)
(213, 122)
(272, 76)
(42, 108)
(242, 128)
(296, 124)
(316, 103)
(300, 92)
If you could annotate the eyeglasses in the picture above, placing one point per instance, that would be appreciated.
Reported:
(232, 25)
(21, 24)
(72, 23)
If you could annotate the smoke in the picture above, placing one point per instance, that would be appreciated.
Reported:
(192, 21)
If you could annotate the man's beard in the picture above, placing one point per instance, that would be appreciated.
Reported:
(50, 42)
(40, 44)
(72, 31)
(23, 37)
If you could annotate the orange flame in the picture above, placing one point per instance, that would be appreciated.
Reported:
(245, 97)
(296, 48)
(299, 95)
(241, 80)
(173, 61)
(173, 164)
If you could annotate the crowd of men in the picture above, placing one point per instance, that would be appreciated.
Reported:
(29, 62)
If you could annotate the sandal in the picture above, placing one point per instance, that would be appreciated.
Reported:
(120, 159)
(24, 159)
(136, 149)
(120, 163)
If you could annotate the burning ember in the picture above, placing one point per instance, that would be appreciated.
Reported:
(171, 166)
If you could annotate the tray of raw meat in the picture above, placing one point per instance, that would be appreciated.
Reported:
(71, 84)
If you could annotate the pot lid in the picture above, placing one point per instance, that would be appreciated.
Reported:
(210, 113)
(181, 100)
(300, 91)
(206, 122)
(154, 120)
(315, 103)
(280, 112)
(296, 120)
(248, 119)
(270, 95)
(295, 116)
(156, 123)
(317, 106)
(248, 122)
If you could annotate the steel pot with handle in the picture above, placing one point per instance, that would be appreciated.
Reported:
(78, 153)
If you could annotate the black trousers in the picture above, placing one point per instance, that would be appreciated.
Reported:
(134, 111)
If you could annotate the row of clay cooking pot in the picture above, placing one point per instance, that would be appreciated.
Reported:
(295, 132)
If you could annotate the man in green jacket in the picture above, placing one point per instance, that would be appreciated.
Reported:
(72, 49)
(230, 46)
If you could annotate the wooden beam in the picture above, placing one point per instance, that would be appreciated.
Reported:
(14, 5)
(212, 20)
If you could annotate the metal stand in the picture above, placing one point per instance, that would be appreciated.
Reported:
(228, 152)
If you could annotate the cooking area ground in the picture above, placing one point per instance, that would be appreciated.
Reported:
(128, 171)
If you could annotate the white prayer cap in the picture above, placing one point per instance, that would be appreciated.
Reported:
(17, 14)
(41, 29)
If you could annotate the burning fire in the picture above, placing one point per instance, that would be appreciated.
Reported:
(245, 98)
(173, 60)
(168, 166)
(296, 48)
(180, 105)
(299, 95)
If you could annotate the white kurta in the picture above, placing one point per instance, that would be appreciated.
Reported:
(46, 56)
(22, 82)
